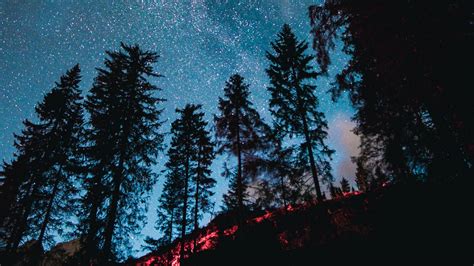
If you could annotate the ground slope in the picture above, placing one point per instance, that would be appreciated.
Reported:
(397, 222)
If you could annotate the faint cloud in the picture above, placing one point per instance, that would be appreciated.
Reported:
(346, 144)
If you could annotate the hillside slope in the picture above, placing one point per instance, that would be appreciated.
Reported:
(396, 222)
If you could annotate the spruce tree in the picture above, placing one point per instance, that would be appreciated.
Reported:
(63, 105)
(23, 179)
(203, 182)
(345, 186)
(240, 132)
(123, 143)
(294, 104)
(40, 183)
(181, 151)
(335, 191)
(169, 200)
(362, 177)
(187, 171)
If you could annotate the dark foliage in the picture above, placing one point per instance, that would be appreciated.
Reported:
(241, 132)
(281, 175)
(407, 78)
(294, 105)
(345, 186)
(123, 140)
(39, 190)
(187, 190)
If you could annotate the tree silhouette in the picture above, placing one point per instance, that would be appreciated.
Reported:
(240, 132)
(362, 177)
(187, 170)
(294, 104)
(169, 199)
(123, 142)
(335, 191)
(345, 186)
(203, 183)
(179, 166)
(40, 182)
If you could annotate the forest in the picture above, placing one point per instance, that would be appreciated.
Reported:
(84, 168)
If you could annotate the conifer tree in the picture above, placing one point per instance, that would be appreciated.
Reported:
(362, 177)
(294, 104)
(181, 152)
(335, 191)
(169, 201)
(203, 183)
(187, 171)
(240, 132)
(64, 106)
(123, 142)
(345, 186)
(40, 183)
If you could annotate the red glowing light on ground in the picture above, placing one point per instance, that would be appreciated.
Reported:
(231, 231)
(263, 217)
(283, 239)
(207, 238)
(348, 194)
(204, 242)
(290, 208)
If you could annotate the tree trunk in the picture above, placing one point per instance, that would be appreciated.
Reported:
(185, 208)
(240, 196)
(196, 204)
(50, 206)
(314, 171)
(112, 216)
(89, 244)
(170, 234)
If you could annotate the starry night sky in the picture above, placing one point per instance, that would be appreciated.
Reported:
(201, 43)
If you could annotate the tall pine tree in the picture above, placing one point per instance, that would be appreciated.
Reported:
(203, 182)
(240, 131)
(123, 142)
(294, 104)
(189, 158)
(41, 183)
